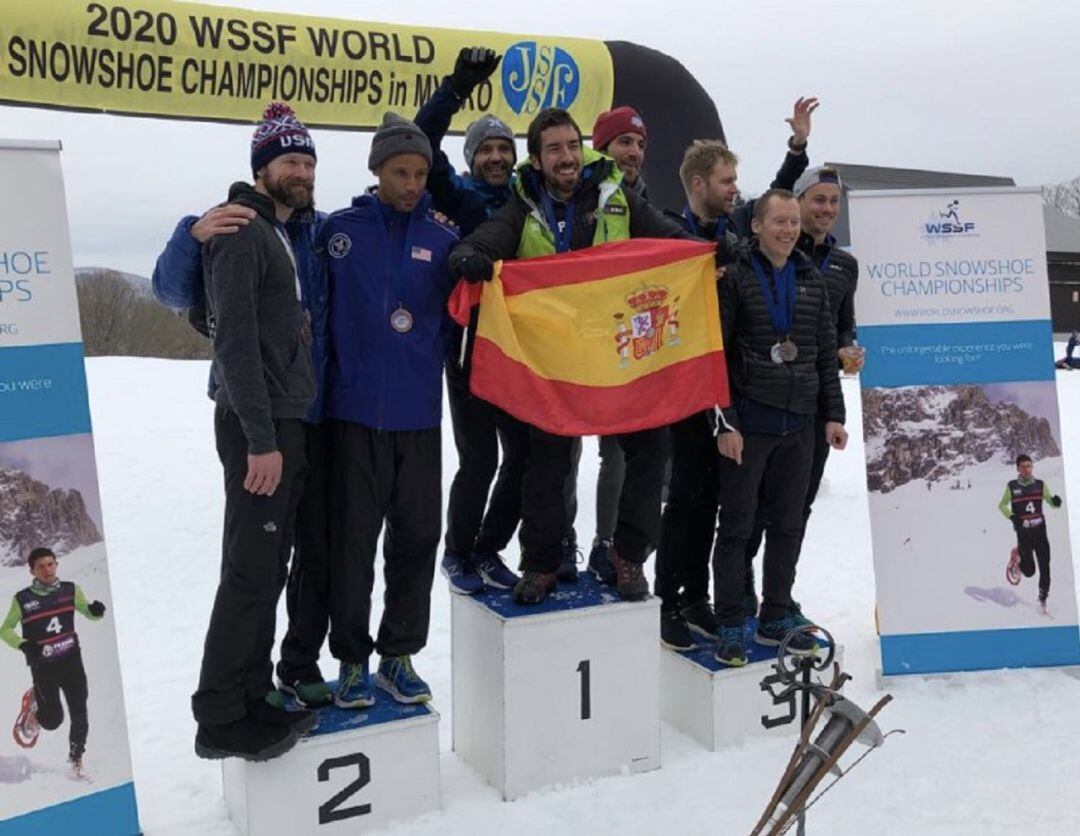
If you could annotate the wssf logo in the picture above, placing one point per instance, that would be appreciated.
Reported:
(535, 77)
(948, 223)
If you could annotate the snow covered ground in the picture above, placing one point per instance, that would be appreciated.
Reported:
(984, 753)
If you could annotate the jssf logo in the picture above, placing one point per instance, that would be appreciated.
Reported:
(535, 77)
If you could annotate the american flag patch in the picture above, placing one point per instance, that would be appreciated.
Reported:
(421, 254)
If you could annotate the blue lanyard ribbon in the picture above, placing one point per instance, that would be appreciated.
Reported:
(564, 234)
(721, 223)
(396, 278)
(779, 294)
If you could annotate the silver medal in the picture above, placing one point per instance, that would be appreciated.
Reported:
(776, 355)
(401, 321)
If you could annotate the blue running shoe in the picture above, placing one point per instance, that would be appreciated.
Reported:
(796, 613)
(568, 562)
(773, 631)
(494, 572)
(731, 646)
(462, 575)
(354, 686)
(600, 562)
(397, 677)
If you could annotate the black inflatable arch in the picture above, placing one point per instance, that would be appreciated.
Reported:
(676, 110)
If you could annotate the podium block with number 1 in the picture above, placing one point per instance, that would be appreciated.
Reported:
(565, 690)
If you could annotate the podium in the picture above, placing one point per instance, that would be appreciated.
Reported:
(563, 690)
(720, 706)
(357, 770)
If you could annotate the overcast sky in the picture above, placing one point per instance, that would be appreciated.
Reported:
(977, 87)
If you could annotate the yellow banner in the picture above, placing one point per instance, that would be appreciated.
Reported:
(154, 58)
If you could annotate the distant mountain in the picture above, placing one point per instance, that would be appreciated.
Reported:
(33, 514)
(934, 432)
(141, 283)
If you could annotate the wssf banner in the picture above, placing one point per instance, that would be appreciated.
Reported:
(65, 765)
(972, 555)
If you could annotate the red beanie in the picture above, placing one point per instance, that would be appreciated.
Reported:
(611, 123)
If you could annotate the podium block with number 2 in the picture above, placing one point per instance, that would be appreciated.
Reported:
(357, 771)
(548, 694)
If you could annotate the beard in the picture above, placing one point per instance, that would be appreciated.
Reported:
(292, 192)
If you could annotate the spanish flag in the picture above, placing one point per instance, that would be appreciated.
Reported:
(611, 339)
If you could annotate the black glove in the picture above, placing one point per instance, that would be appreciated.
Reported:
(1018, 524)
(474, 65)
(31, 650)
(96, 609)
(1055, 500)
(473, 267)
(725, 252)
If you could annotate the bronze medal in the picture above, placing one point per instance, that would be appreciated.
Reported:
(788, 351)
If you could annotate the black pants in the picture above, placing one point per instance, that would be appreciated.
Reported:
(389, 482)
(570, 490)
(307, 592)
(817, 470)
(256, 544)
(1033, 546)
(544, 519)
(479, 429)
(66, 675)
(777, 466)
(689, 520)
(637, 529)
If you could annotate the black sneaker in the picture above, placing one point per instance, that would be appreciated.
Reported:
(534, 587)
(247, 738)
(571, 555)
(701, 619)
(600, 562)
(673, 631)
(629, 578)
(300, 721)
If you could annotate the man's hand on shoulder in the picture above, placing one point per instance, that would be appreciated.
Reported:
(221, 220)
(263, 473)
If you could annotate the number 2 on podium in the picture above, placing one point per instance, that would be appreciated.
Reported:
(586, 696)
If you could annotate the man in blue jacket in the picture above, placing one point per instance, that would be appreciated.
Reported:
(388, 284)
(475, 538)
(178, 283)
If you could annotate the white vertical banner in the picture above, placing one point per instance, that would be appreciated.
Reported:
(68, 704)
(954, 312)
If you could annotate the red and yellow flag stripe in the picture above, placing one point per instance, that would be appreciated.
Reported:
(611, 339)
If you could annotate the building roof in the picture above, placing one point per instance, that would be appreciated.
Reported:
(879, 177)
(1062, 231)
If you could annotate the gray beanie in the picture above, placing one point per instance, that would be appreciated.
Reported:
(397, 135)
(815, 176)
(485, 128)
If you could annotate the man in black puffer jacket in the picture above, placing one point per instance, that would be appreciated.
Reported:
(780, 346)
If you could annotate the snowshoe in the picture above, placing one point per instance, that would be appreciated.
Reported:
(78, 771)
(1012, 571)
(26, 729)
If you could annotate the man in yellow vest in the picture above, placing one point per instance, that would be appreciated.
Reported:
(568, 197)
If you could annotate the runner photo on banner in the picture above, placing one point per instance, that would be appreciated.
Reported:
(65, 766)
(965, 473)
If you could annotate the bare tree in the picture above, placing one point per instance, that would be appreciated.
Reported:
(117, 319)
(1065, 197)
